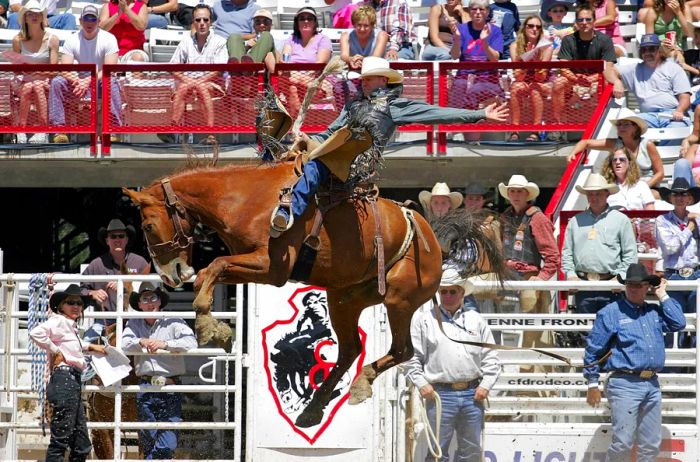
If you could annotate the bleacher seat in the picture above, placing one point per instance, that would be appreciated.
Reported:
(6, 36)
(163, 42)
(334, 35)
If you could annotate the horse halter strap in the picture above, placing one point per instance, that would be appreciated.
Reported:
(176, 212)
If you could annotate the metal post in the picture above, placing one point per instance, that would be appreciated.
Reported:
(118, 385)
(697, 362)
(238, 373)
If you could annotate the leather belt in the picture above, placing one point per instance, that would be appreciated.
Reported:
(72, 370)
(684, 272)
(458, 386)
(641, 374)
(159, 381)
(594, 276)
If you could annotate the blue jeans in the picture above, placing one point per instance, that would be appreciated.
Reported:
(635, 405)
(433, 53)
(157, 21)
(158, 407)
(682, 168)
(68, 422)
(463, 416)
(315, 174)
(470, 303)
(61, 90)
(406, 51)
(591, 301)
(65, 21)
(687, 300)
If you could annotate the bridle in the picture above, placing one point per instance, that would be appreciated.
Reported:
(177, 213)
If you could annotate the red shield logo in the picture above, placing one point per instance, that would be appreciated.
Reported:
(299, 353)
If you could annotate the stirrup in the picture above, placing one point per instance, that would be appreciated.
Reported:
(276, 229)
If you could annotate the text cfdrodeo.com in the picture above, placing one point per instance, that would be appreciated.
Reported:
(556, 382)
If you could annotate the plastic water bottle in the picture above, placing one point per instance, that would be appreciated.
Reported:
(543, 134)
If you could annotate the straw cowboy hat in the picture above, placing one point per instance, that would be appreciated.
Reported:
(59, 296)
(34, 7)
(638, 273)
(374, 66)
(148, 287)
(597, 182)
(519, 181)
(451, 278)
(440, 189)
(631, 116)
(680, 185)
(115, 225)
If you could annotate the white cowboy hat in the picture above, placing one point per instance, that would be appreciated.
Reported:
(451, 278)
(373, 66)
(597, 182)
(440, 189)
(34, 7)
(519, 181)
(630, 115)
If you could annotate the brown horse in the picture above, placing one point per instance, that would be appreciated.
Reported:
(236, 201)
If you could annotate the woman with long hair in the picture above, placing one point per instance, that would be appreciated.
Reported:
(607, 22)
(441, 19)
(37, 46)
(530, 84)
(669, 16)
(621, 169)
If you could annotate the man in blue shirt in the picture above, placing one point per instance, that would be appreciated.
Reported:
(633, 332)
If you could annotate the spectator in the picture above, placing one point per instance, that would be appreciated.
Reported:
(630, 128)
(504, 14)
(185, 11)
(530, 250)
(692, 138)
(669, 16)
(636, 355)
(152, 335)
(533, 84)
(441, 21)
(202, 47)
(364, 40)
(90, 45)
(117, 260)
(460, 376)
(234, 19)
(475, 197)
(554, 12)
(260, 48)
(395, 19)
(477, 40)
(690, 61)
(63, 21)
(607, 23)
(59, 337)
(660, 85)
(37, 46)
(621, 169)
(4, 5)
(158, 11)
(584, 44)
(688, 166)
(438, 202)
(126, 20)
(599, 244)
(306, 45)
(677, 235)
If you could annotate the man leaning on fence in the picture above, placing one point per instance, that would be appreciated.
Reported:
(598, 245)
(677, 235)
(631, 330)
(459, 375)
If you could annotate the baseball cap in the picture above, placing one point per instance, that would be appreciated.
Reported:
(650, 40)
(263, 13)
(89, 10)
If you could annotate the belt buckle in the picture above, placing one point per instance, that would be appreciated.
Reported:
(686, 272)
(157, 381)
(593, 276)
(459, 386)
(647, 374)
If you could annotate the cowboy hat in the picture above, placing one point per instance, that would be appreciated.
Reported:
(440, 189)
(34, 7)
(638, 273)
(59, 296)
(596, 182)
(451, 278)
(631, 116)
(115, 225)
(680, 185)
(374, 66)
(519, 181)
(148, 287)
(475, 189)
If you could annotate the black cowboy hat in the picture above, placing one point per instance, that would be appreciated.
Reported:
(638, 273)
(476, 189)
(148, 287)
(73, 289)
(680, 185)
(115, 225)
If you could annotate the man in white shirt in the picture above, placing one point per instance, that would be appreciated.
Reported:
(64, 21)
(460, 375)
(90, 45)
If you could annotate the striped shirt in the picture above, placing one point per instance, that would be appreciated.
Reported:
(394, 18)
(634, 335)
(679, 245)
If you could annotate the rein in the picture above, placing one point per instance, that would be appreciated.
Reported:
(176, 212)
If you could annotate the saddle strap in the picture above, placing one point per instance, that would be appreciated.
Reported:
(419, 231)
(312, 240)
(379, 247)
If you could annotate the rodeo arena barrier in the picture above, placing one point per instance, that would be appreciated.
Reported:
(138, 99)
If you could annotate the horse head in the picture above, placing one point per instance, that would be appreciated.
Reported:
(168, 231)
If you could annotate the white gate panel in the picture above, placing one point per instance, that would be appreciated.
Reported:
(288, 351)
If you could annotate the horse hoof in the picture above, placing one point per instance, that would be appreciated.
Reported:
(308, 419)
(359, 392)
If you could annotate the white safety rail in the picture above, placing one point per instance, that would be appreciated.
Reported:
(11, 356)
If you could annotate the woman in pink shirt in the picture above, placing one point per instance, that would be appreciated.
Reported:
(607, 22)
(59, 337)
(127, 21)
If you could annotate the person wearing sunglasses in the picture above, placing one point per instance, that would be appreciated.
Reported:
(59, 337)
(678, 239)
(116, 261)
(151, 335)
(460, 375)
(621, 168)
(260, 48)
